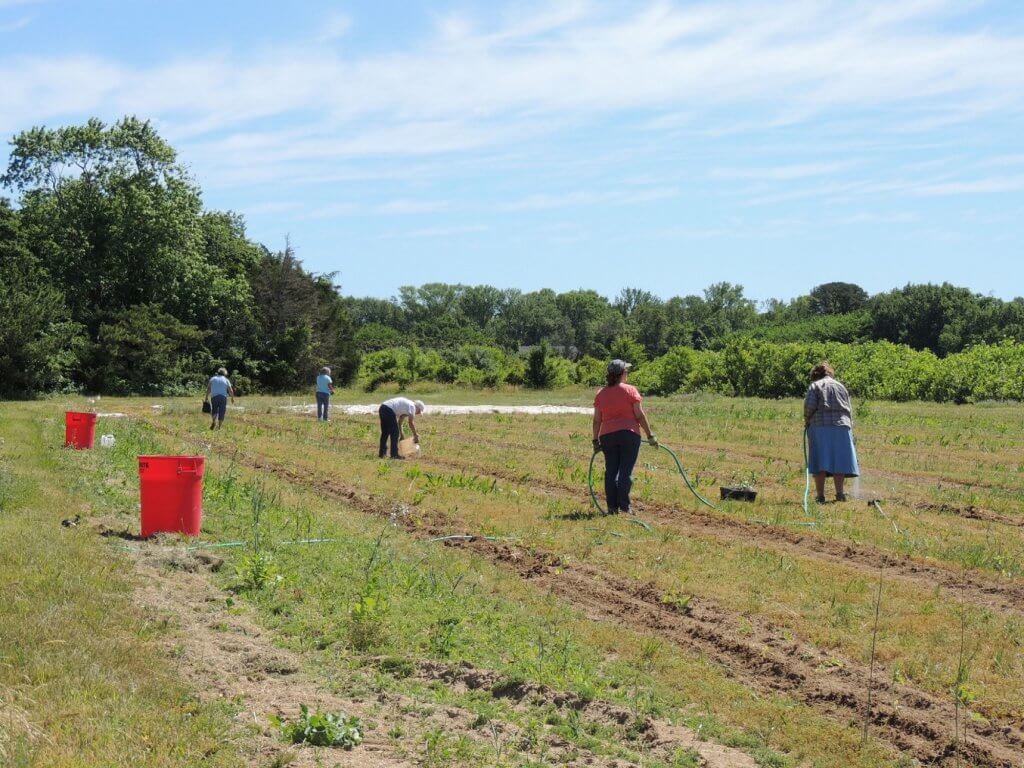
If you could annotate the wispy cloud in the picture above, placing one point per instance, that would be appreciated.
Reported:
(335, 26)
(567, 62)
(997, 184)
(778, 173)
(400, 207)
(546, 201)
(12, 26)
(430, 232)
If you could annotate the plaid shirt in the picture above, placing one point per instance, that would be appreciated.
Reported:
(828, 404)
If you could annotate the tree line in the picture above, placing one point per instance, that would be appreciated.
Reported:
(116, 279)
(942, 318)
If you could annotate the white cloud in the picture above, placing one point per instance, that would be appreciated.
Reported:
(546, 201)
(984, 186)
(13, 26)
(778, 173)
(573, 60)
(412, 206)
(429, 232)
(335, 26)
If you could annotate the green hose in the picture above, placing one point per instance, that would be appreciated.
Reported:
(679, 466)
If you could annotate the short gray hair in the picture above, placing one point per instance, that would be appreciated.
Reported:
(222, 371)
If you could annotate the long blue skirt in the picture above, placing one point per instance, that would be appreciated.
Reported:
(831, 450)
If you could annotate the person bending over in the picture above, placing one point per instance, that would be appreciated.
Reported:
(828, 419)
(618, 418)
(217, 391)
(393, 415)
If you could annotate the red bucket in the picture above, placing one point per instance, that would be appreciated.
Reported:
(79, 429)
(171, 488)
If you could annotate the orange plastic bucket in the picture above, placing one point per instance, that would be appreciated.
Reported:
(79, 429)
(171, 488)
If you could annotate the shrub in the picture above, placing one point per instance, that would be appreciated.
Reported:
(322, 729)
(547, 371)
(589, 371)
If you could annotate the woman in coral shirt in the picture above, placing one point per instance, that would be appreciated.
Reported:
(618, 419)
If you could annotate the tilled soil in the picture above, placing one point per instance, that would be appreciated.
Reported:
(979, 589)
(224, 654)
(912, 721)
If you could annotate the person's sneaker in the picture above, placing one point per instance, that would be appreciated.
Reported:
(819, 500)
(841, 497)
(211, 427)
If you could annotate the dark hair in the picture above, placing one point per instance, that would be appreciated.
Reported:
(821, 370)
(613, 378)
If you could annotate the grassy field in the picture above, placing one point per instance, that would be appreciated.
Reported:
(852, 635)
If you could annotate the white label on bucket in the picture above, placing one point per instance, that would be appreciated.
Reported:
(107, 441)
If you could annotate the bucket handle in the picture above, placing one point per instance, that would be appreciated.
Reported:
(193, 470)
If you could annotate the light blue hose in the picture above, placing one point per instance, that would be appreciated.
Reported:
(807, 471)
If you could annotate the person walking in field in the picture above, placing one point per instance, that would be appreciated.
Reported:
(828, 419)
(217, 391)
(393, 415)
(324, 390)
(618, 418)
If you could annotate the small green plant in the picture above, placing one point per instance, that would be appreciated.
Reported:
(257, 571)
(322, 729)
(366, 622)
(396, 666)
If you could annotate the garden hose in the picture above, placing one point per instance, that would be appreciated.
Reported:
(679, 467)
(807, 472)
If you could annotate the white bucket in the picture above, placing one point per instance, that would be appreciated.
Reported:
(107, 441)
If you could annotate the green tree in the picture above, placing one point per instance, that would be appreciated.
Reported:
(837, 298)
(146, 351)
(302, 324)
(39, 343)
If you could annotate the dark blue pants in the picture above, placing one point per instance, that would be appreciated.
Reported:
(218, 407)
(323, 403)
(388, 430)
(621, 450)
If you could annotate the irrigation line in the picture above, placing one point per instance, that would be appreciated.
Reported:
(878, 507)
(807, 472)
(679, 467)
(462, 537)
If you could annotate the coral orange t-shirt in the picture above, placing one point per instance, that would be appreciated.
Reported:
(615, 404)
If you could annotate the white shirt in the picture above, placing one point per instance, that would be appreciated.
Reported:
(402, 406)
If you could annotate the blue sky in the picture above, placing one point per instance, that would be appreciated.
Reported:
(664, 145)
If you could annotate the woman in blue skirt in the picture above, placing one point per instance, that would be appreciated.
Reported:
(828, 418)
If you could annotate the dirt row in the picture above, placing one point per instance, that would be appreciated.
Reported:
(968, 512)
(978, 588)
(754, 652)
(999, 594)
(226, 655)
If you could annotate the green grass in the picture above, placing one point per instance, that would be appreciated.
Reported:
(364, 610)
(82, 680)
(375, 592)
